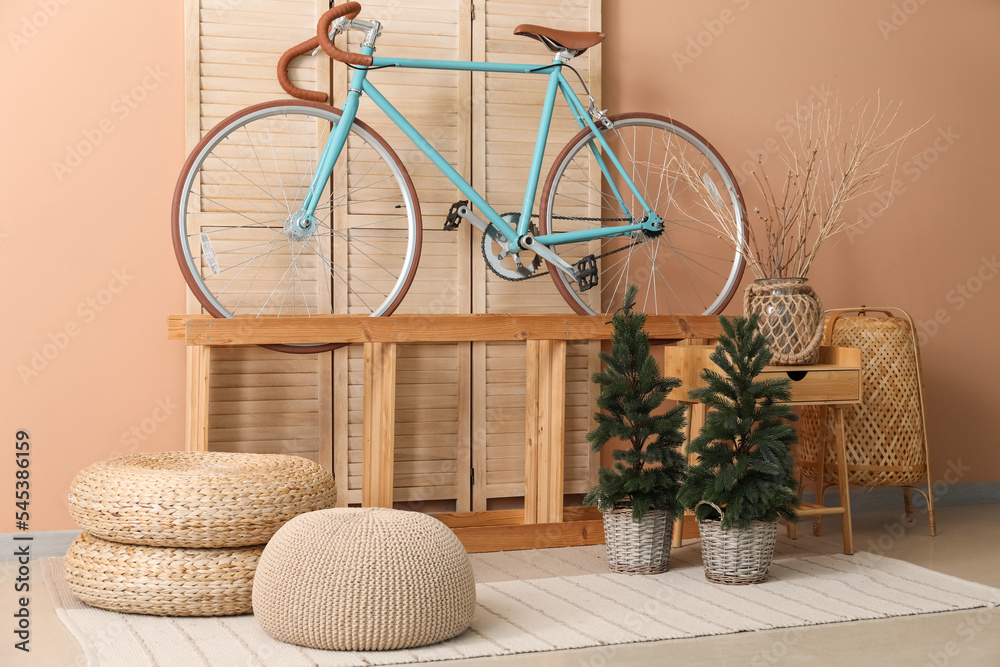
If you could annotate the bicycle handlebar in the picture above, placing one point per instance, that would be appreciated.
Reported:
(322, 39)
(350, 10)
(286, 58)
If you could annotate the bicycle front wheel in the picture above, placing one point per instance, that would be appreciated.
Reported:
(239, 246)
(688, 268)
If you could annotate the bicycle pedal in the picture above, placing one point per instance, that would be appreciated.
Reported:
(453, 219)
(586, 270)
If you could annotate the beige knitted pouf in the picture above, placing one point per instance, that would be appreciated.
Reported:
(163, 581)
(197, 499)
(364, 579)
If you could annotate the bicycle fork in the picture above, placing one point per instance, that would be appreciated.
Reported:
(302, 224)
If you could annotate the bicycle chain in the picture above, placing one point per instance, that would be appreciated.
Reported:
(545, 273)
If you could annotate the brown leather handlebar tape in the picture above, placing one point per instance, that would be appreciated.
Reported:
(286, 58)
(350, 10)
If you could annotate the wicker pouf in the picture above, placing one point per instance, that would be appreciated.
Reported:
(197, 499)
(364, 579)
(164, 581)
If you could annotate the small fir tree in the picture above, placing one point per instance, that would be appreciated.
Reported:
(648, 473)
(745, 462)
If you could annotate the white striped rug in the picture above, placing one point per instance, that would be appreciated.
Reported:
(551, 599)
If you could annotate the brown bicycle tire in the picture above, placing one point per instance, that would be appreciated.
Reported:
(176, 230)
(545, 226)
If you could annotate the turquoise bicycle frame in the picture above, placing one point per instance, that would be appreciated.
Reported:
(650, 221)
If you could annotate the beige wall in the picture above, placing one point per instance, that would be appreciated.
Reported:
(934, 252)
(114, 384)
(86, 263)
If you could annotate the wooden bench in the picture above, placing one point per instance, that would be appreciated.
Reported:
(544, 521)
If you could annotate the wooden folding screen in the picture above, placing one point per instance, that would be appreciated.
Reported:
(506, 111)
(460, 408)
(259, 401)
(432, 397)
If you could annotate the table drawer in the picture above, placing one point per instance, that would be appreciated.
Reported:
(835, 379)
(821, 386)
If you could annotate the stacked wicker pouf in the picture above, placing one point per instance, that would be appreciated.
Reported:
(364, 579)
(181, 533)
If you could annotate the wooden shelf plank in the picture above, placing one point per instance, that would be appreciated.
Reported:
(502, 530)
(509, 517)
(531, 536)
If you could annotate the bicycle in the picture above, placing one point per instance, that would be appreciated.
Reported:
(295, 207)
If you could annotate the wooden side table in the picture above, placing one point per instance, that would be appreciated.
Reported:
(834, 381)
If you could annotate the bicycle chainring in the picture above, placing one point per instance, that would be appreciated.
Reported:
(505, 264)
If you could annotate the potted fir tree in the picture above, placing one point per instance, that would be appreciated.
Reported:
(743, 480)
(639, 495)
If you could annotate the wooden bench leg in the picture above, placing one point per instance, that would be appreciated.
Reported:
(379, 424)
(199, 361)
(545, 426)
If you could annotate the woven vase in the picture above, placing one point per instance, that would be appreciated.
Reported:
(790, 318)
(638, 548)
(737, 556)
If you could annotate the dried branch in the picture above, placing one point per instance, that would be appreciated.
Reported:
(825, 170)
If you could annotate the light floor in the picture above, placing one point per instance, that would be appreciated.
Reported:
(967, 546)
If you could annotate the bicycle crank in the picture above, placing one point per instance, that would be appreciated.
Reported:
(504, 263)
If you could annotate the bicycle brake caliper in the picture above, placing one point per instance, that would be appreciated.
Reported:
(600, 116)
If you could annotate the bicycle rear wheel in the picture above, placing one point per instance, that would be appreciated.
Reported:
(688, 268)
(238, 191)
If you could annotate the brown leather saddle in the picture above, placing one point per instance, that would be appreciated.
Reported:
(576, 42)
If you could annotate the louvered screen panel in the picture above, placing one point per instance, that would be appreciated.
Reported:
(432, 381)
(505, 396)
(265, 402)
(260, 401)
(430, 100)
(504, 134)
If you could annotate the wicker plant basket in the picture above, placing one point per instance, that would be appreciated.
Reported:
(197, 499)
(737, 556)
(790, 318)
(162, 581)
(638, 548)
